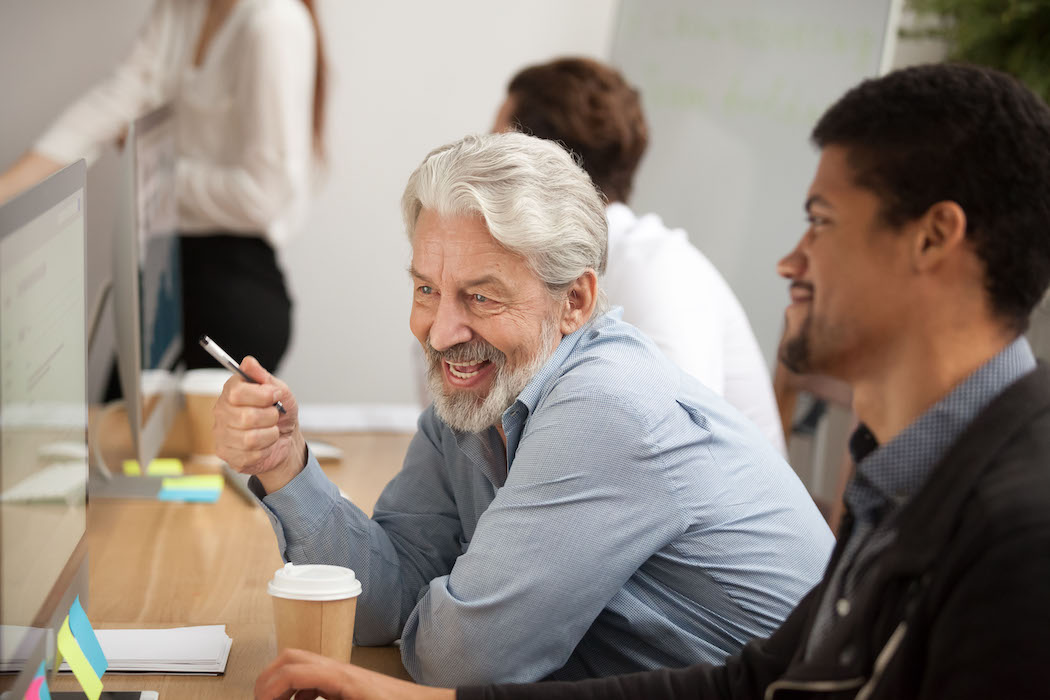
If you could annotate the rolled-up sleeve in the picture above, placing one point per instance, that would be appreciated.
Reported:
(572, 524)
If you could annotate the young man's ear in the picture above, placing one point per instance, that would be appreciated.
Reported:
(941, 231)
(579, 302)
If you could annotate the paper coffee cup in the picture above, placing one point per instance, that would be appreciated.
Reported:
(201, 388)
(313, 608)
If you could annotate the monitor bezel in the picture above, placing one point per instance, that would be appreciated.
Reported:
(147, 434)
(72, 581)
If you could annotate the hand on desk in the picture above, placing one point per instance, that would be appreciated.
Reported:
(307, 676)
(251, 435)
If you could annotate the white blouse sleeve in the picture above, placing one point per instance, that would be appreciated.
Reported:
(274, 116)
(101, 115)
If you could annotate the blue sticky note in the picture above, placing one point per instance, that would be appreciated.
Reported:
(193, 496)
(38, 688)
(85, 636)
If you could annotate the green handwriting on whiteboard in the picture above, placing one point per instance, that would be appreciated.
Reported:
(752, 34)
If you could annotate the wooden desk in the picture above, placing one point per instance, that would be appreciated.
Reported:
(155, 564)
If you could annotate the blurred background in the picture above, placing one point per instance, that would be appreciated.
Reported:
(729, 159)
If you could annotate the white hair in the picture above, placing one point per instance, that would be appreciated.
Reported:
(535, 200)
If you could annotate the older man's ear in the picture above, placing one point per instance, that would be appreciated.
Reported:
(579, 302)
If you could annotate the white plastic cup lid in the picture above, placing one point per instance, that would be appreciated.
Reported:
(314, 582)
(206, 382)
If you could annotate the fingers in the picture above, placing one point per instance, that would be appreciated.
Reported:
(253, 440)
(268, 392)
(254, 460)
(317, 676)
(251, 367)
(238, 392)
(248, 417)
(246, 426)
(296, 670)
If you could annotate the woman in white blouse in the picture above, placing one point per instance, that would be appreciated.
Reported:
(246, 78)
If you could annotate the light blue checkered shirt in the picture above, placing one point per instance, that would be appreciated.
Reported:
(637, 521)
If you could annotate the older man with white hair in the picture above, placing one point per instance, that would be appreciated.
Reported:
(573, 504)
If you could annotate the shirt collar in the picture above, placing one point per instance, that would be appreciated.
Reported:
(891, 474)
(515, 417)
(482, 448)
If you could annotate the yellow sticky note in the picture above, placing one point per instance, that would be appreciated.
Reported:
(157, 467)
(78, 663)
(196, 482)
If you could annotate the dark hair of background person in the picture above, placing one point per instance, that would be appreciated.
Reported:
(591, 110)
(966, 134)
(320, 81)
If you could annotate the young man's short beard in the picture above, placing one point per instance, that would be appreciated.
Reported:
(464, 410)
(795, 352)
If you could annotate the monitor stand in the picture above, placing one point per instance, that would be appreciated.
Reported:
(120, 486)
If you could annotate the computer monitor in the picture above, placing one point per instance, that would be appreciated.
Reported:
(147, 293)
(43, 420)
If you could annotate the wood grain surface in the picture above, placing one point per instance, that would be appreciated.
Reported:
(155, 564)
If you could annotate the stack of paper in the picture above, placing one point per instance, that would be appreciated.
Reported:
(200, 650)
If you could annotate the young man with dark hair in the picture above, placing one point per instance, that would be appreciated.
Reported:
(928, 246)
(667, 288)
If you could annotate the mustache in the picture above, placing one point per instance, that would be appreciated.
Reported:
(475, 351)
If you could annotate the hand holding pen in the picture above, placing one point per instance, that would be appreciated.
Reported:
(213, 349)
(253, 438)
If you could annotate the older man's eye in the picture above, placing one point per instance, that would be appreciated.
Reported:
(424, 289)
(479, 298)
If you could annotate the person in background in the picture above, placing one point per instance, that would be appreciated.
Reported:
(928, 247)
(246, 79)
(667, 288)
(573, 504)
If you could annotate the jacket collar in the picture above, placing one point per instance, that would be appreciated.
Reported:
(926, 524)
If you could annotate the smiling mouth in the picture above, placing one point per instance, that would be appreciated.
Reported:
(800, 292)
(465, 370)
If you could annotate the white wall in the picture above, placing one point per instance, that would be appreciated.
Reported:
(50, 52)
(405, 77)
(403, 82)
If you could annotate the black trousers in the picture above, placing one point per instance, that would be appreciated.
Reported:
(233, 291)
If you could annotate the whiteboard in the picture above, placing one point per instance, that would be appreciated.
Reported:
(731, 91)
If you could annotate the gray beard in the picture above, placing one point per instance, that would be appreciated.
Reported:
(464, 411)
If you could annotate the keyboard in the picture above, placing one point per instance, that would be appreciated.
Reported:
(66, 482)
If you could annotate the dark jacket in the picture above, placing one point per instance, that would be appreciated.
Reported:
(957, 607)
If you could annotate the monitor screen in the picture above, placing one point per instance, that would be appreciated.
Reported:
(43, 411)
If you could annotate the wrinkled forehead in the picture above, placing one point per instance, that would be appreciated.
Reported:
(460, 249)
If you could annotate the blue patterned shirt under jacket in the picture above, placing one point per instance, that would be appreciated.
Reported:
(887, 476)
(635, 521)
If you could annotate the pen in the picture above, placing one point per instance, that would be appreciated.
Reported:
(229, 363)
